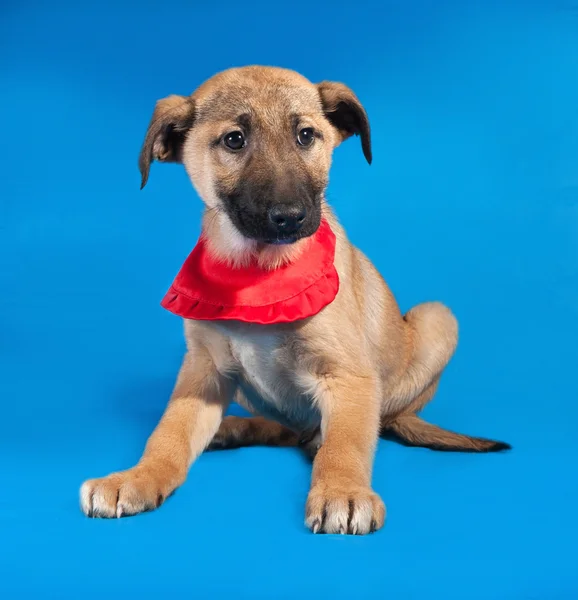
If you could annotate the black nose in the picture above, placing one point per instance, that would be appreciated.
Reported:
(287, 218)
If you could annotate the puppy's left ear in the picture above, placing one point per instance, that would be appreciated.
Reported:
(170, 123)
(344, 111)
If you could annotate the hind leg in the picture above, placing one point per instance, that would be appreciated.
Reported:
(425, 397)
(239, 432)
(432, 332)
(236, 432)
(415, 405)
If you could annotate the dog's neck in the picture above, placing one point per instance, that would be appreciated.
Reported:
(228, 245)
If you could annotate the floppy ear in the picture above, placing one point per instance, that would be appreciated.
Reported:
(171, 120)
(345, 112)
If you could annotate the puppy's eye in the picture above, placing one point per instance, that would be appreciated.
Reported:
(306, 136)
(234, 140)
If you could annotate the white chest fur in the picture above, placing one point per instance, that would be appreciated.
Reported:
(256, 358)
(269, 384)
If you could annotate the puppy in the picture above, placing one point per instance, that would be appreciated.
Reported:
(257, 144)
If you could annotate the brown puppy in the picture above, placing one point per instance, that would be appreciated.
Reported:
(252, 140)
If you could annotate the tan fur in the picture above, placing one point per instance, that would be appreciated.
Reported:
(332, 382)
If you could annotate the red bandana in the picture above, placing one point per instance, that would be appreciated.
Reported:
(208, 289)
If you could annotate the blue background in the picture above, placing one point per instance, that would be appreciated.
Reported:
(472, 199)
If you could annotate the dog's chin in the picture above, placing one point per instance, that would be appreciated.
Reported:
(309, 230)
(276, 253)
(285, 242)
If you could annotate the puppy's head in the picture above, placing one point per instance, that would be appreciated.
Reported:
(257, 144)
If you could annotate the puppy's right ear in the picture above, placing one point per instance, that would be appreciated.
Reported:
(170, 123)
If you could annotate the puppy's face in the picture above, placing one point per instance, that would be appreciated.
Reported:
(257, 144)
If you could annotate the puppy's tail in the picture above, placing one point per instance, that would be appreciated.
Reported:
(411, 430)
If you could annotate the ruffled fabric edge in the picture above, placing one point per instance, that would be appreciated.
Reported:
(303, 305)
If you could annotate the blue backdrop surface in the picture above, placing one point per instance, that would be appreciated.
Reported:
(472, 199)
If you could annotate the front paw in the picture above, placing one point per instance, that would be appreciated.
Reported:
(347, 508)
(122, 494)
